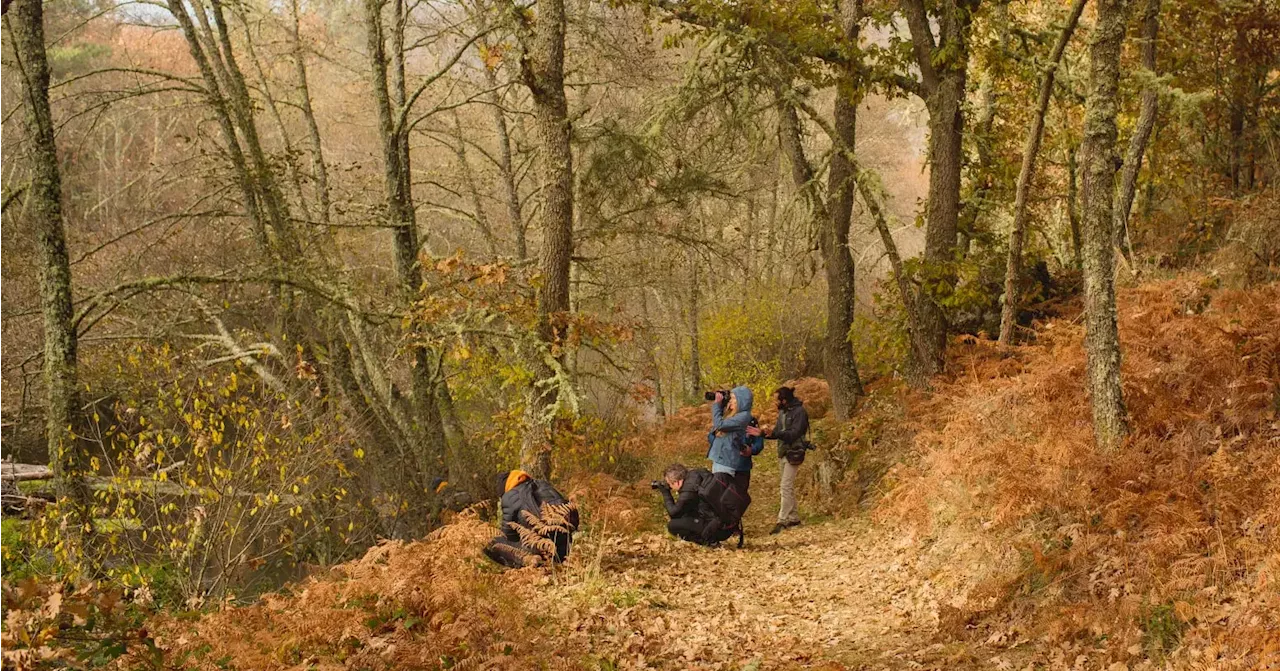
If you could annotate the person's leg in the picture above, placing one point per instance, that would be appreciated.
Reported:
(688, 528)
(743, 481)
(508, 554)
(562, 541)
(787, 514)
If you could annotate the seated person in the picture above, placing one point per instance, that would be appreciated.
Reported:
(692, 516)
(537, 522)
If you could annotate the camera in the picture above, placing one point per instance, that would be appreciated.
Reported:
(711, 395)
(658, 484)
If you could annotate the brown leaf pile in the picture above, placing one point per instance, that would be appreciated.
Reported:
(1171, 542)
(436, 603)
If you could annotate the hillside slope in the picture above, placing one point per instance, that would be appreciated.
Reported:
(1004, 540)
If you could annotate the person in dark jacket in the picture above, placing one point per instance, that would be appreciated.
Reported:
(537, 522)
(790, 431)
(690, 514)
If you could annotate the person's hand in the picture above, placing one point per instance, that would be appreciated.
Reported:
(754, 431)
(768, 432)
(719, 397)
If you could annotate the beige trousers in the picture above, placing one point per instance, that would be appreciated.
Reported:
(787, 513)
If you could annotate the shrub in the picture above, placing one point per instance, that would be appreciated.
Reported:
(759, 341)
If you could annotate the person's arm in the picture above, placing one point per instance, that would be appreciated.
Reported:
(737, 422)
(679, 507)
(797, 429)
(509, 510)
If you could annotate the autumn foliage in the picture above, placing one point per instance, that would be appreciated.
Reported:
(1172, 539)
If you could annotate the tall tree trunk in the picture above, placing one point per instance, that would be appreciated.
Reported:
(840, 368)
(505, 167)
(318, 169)
(387, 80)
(1147, 111)
(1073, 198)
(542, 69)
(67, 458)
(693, 390)
(943, 65)
(1102, 339)
(1013, 265)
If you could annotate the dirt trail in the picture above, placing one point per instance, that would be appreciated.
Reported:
(841, 591)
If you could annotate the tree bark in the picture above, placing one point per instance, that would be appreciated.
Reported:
(840, 367)
(43, 206)
(1013, 264)
(1102, 340)
(943, 65)
(693, 390)
(319, 171)
(1148, 109)
(1073, 215)
(542, 69)
(389, 99)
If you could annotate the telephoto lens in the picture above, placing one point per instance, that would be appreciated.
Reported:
(710, 395)
(656, 484)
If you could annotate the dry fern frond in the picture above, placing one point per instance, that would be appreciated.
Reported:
(539, 526)
(561, 515)
(533, 541)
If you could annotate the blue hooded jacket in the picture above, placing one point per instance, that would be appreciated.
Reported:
(725, 448)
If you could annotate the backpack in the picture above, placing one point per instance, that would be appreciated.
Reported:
(729, 503)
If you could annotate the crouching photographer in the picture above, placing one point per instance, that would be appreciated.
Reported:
(704, 509)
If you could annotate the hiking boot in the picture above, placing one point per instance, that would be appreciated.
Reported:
(777, 528)
(793, 523)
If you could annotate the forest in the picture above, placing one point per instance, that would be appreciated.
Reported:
(288, 284)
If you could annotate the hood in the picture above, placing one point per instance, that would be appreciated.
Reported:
(744, 398)
(514, 479)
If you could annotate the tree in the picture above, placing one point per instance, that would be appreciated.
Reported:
(393, 104)
(1147, 111)
(1013, 267)
(1099, 161)
(943, 65)
(43, 206)
(542, 71)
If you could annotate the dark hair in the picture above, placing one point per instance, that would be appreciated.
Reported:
(675, 472)
(786, 393)
(500, 484)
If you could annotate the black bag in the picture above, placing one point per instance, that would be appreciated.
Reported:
(795, 453)
(729, 503)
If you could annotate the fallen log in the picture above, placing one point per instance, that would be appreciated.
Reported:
(24, 472)
(13, 473)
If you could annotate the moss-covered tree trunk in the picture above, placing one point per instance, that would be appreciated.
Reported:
(840, 367)
(1102, 338)
(43, 210)
(1147, 112)
(1013, 263)
(542, 70)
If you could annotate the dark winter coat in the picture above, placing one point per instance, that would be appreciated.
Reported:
(688, 502)
(527, 496)
(791, 427)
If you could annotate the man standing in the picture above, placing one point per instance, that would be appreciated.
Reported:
(790, 431)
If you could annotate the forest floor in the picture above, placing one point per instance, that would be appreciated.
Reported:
(839, 591)
(995, 536)
(833, 593)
